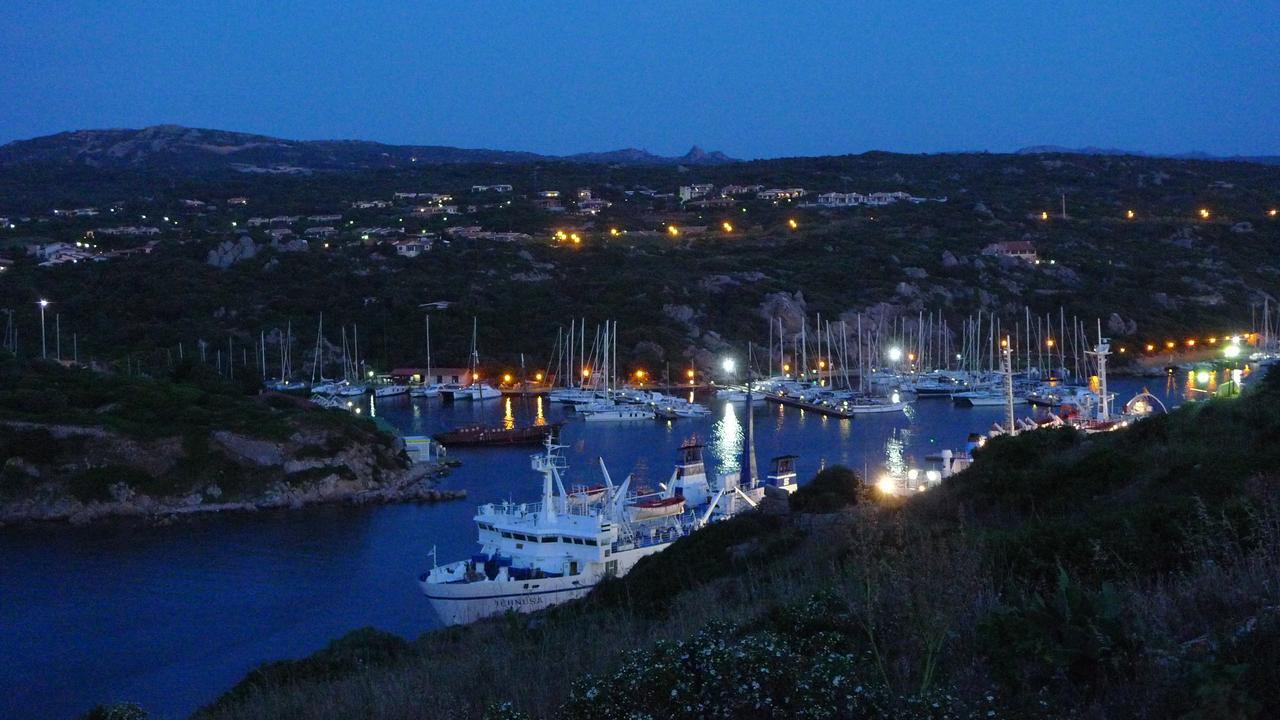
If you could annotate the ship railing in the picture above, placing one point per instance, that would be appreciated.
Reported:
(520, 510)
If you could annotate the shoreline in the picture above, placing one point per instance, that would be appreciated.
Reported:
(415, 484)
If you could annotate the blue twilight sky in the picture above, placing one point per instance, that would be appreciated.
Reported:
(751, 79)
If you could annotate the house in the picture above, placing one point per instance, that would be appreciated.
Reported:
(279, 233)
(324, 218)
(592, 206)
(1020, 249)
(835, 199)
(411, 247)
(431, 375)
(548, 200)
(131, 230)
(238, 201)
(781, 193)
(730, 190)
(692, 192)
(320, 231)
(490, 188)
(371, 204)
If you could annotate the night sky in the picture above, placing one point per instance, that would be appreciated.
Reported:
(760, 80)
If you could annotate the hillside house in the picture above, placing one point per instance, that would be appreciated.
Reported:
(1020, 249)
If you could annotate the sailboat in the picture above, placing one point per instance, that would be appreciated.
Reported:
(475, 390)
(427, 389)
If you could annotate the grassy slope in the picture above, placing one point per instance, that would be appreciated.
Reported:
(1124, 575)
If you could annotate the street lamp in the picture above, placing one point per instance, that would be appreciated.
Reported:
(729, 365)
(895, 354)
(44, 351)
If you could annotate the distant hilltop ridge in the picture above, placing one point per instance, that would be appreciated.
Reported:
(174, 147)
(1194, 155)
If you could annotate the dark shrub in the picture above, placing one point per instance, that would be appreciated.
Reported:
(831, 490)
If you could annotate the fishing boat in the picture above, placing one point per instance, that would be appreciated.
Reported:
(536, 555)
(482, 435)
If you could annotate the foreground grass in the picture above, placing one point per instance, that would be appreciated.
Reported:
(1135, 574)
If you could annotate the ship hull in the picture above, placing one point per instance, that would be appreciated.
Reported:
(459, 603)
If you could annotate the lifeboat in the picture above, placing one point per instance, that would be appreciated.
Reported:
(656, 507)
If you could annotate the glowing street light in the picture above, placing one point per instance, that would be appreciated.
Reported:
(729, 365)
(727, 226)
(44, 351)
(1204, 213)
(506, 378)
(673, 231)
(895, 354)
(1130, 214)
(538, 377)
(1044, 215)
(793, 224)
(1048, 343)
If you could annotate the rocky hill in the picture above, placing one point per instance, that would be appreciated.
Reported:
(79, 446)
(195, 150)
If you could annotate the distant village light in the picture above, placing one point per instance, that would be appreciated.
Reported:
(1048, 343)
(1273, 212)
(1129, 214)
(728, 226)
(672, 230)
(1204, 213)
(793, 224)
(1044, 215)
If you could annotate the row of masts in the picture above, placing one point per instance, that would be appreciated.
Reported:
(853, 348)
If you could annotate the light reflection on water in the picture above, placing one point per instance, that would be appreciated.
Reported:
(268, 586)
(727, 438)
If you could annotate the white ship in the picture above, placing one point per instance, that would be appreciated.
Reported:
(534, 555)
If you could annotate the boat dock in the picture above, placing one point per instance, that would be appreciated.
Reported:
(821, 409)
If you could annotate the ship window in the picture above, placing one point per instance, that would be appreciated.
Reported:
(506, 534)
(549, 538)
(519, 546)
(591, 542)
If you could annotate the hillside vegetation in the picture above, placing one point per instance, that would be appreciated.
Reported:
(1131, 574)
(79, 445)
(1165, 274)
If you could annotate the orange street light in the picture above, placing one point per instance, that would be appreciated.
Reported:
(1150, 347)
(793, 224)
(1169, 344)
(689, 373)
(1048, 343)
(1204, 213)
(506, 378)
(614, 232)
(538, 377)
(1044, 215)
(1130, 214)
(586, 372)
(1191, 342)
(672, 230)
(727, 226)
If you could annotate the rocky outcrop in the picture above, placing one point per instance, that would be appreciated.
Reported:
(84, 474)
(228, 253)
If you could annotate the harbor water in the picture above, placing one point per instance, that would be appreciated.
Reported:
(171, 616)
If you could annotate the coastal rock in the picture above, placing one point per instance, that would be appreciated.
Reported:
(255, 452)
(915, 273)
(949, 260)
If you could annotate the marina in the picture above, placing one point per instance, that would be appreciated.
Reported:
(139, 611)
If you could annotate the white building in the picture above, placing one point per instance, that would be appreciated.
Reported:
(691, 192)
(835, 199)
(781, 193)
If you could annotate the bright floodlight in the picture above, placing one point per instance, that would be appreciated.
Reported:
(895, 354)
(729, 365)
(1202, 377)
(886, 486)
(44, 303)
(1231, 351)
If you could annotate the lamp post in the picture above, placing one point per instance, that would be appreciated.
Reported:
(44, 350)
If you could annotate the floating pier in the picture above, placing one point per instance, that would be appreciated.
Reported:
(821, 409)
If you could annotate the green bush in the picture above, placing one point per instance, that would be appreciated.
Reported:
(831, 490)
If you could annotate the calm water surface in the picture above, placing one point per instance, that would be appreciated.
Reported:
(170, 617)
